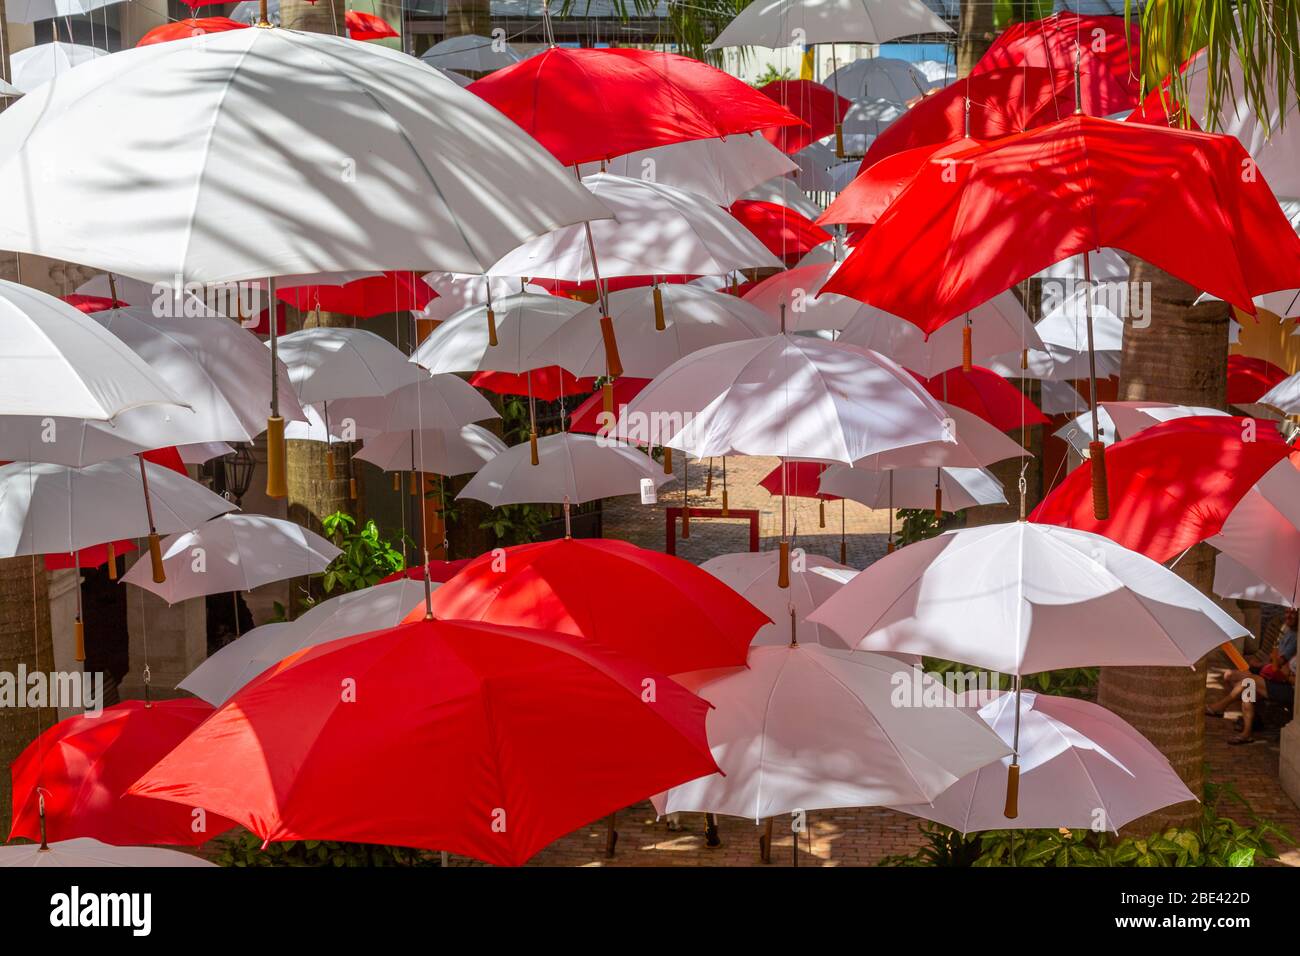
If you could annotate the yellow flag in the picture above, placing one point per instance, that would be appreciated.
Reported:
(808, 63)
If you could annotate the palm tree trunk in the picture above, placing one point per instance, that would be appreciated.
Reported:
(25, 640)
(1179, 356)
(974, 33)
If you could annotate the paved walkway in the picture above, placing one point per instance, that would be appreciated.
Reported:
(842, 837)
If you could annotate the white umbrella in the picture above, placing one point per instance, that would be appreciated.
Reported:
(221, 676)
(470, 51)
(327, 363)
(753, 575)
(957, 488)
(1077, 432)
(784, 191)
(571, 469)
(234, 552)
(1107, 265)
(61, 363)
(438, 451)
(499, 337)
(655, 327)
(219, 366)
(457, 292)
(841, 174)
(937, 74)
(781, 23)
(1284, 396)
(312, 428)
(879, 78)
(1052, 363)
(814, 161)
(439, 401)
(1132, 417)
(657, 230)
(30, 11)
(1021, 598)
(865, 120)
(1234, 580)
(200, 453)
(460, 79)
(997, 326)
(969, 442)
(37, 65)
(1058, 397)
(1066, 322)
(786, 395)
(805, 727)
(52, 509)
(269, 152)
(1262, 532)
(720, 170)
(84, 852)
(793, 295)
(1081, 767)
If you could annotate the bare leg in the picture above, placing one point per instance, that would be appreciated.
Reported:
(1221, 704)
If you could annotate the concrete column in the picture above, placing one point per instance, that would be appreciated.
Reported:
(171, 640)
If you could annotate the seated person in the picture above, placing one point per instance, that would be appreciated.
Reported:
(1283, 651)
(1277, 685)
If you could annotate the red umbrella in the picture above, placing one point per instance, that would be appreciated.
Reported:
(84, 765)
(471, 738)
(972, 225)
(1170, 485)
(1108, 51)
(875, 187)
(787, 234)
(587, 105)
(364, 298)
(1249, 378)
(90, 304)
(439, 571)
(1000, 103)
(586, 291)
(802, 480)
(654, 607)
(195, 26)
(585, 418)
(92, 557)
(546, 384)
(986, 394)
(813, 103)
(367, 26)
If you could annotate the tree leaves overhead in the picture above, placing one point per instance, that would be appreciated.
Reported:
(1264, 35)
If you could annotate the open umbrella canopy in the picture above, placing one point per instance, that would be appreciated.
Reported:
(508, 341)
(365, 297)
(233, 184)
(234, 552)
(1018, 204)
(48, 508)
(1262, 533)
(957, 488)
(1171, 485)
(721, 170)
(1107, 50)
(787, 395)
(776, 23)
(879, 182)
(1002, 102)
(222, 673)
(583, 586)
(438, 451)
(795, 295)
(61, 363)
(366, 26)
(82, 767)
(968, 442)
(586, 105)
(753, 575)
(1250, 378)
(291, 758)
(786, 234)
(590, 418)
(471, 51)
(84, 852)
(222, 370)
(988, 395)
(657, 230)
(815, 104)
(194, 26)
(329, 362)
(1021, 598)
(879, 78)
(1081, 767)
(37, 65)
(437, 401)
(806, 727)
(691, 319)
(548, 383)
(796, 479)
(570, 468)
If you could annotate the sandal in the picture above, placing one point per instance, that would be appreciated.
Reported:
(1211, 712)
(1240, 741)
